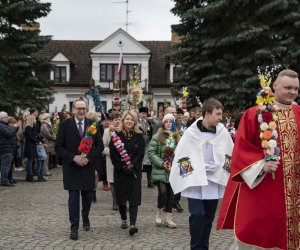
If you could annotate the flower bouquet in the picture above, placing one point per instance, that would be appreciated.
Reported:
(267, 119)
(169, 156)
(121, 149)
(86, 143)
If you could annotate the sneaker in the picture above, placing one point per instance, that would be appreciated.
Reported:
(17, 169)
(42, 179)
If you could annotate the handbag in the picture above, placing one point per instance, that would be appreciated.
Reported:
(42, 155)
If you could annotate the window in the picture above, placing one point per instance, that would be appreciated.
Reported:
(109, 71)
(177, 73)
(60, 73)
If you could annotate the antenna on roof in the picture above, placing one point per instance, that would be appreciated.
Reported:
(127, 13)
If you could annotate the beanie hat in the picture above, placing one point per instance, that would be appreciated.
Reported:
(168, 117)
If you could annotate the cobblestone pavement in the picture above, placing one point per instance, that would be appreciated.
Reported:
(35, 216)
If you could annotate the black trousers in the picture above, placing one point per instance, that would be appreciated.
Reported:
(177, 198)
(74, 207)
(165, 197)
(133, 210)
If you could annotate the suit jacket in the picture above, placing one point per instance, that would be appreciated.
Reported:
(68, 139)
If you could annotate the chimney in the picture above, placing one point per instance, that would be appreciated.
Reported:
(30, 26)
(175, 38)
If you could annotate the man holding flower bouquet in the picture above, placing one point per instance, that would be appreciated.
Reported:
(80, 145)
(262, 198)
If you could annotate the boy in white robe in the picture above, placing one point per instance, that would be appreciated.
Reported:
(199, 172)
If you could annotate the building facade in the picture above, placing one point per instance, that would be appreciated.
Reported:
(79, 65)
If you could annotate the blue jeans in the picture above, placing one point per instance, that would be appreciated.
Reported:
(202, 214)
(5, 166)
(74, 206)
(40, 164)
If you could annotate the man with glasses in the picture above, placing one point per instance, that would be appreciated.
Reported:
(7, 135)
(78, 170)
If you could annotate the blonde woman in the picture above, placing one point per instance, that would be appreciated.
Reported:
(47, 131)
(31, 142)
(115, 119)
(127, 148)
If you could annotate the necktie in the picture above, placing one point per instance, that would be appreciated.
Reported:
(80, 128)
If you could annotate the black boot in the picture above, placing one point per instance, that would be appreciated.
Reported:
(178, 207)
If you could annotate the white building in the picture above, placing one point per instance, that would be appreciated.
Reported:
(82, 64)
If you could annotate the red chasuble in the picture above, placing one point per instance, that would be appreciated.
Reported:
(267, 216)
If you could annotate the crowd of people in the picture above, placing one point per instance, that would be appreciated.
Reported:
(183, 154)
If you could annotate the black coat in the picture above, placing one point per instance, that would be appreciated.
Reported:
(67, 142)
(127, 187)
(7, 138)
(101, 164)
(30, 150)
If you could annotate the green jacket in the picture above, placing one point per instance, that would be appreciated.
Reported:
(156, 153)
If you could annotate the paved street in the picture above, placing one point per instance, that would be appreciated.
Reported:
(35, 216)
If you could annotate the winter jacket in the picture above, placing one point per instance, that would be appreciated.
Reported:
(156, 153)
(7, 138)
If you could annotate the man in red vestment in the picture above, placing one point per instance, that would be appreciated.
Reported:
(263, 211)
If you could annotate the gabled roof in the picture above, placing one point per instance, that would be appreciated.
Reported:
(59, 57)
(116, 40)
(78, 52)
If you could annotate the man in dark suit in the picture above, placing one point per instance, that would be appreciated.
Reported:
(78, 171)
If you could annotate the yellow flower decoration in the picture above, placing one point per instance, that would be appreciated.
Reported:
(272, 125)
(263, 82)
(185, 93)
(260, 100)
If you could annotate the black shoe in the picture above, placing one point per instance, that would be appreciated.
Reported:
(8, 184)
(178, 207)
(124, 224)
(74, 235)
(150, 185)
(13, 181)
(42, 179)
(86, 225)
(133, 229)
(29, 178)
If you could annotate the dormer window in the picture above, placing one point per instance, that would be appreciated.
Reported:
(60, 73)
(61, 70)
(175, 72)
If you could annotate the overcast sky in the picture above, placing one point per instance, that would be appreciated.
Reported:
(97, 19)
